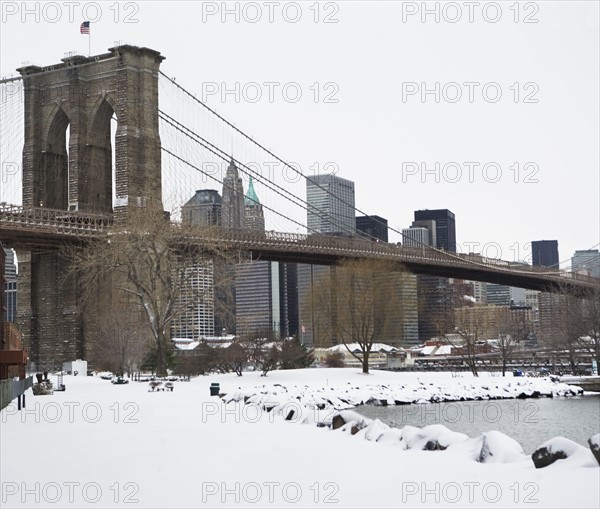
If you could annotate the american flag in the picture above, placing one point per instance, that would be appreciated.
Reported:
(85, 28)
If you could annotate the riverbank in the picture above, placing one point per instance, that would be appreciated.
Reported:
(120, 444)
(381, 390)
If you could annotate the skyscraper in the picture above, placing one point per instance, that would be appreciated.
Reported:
(586, 261)
(254, 216)
(480, 291)
(232, 216)
(253, 280)
(308, 277)
(544, 253)
(416, 236)
(498, 295)
(373, 227)
(434, 294)
(198, 321)
(232, 208)
(253, 299)
(445, 228)
(419, 235)
(503, 295)
(414, 240)
(330, 210)
(408, 314)
(265, 300)
(204, 208)
(330, 205)
(10, 286)
(288, 295)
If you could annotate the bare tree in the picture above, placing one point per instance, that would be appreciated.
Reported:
(512, 328)
(233, 358)
(566, 319)
(268, 359)
(359, 304)
(572, 323)
(120, 337)
(590, 325)
(470, 326)
(148, 261)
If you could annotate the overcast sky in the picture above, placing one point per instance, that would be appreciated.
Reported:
(524, 165)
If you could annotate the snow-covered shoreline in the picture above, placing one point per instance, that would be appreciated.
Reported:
(352, 394)
(186, 449)
(324, 405)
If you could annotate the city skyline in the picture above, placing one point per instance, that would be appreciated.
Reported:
(370, 135)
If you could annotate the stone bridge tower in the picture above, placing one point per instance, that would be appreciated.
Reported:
(84, 94)
(68, 165)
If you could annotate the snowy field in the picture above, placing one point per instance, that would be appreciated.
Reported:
(103, 445)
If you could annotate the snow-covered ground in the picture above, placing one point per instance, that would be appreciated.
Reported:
(104, 445)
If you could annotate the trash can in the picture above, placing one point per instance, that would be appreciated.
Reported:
(215, 389)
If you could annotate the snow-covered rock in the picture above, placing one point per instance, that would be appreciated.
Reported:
(560, 448)
(595, 446)
(391, 436)
(434, 437)
(374, 430)
(350, 422)
(490, 447)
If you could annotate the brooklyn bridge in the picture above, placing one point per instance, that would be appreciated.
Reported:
(92, 137)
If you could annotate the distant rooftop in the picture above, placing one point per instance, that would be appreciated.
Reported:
(203, 197)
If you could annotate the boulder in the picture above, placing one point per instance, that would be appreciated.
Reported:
(348, 421)
(497, 447)
(434, 437)
(374, 430)
(558, 448)
(337, 421)
(433, 445)
(594, 443)
(489, 447)
(392, 436)
(545, 456)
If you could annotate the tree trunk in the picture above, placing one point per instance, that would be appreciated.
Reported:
(365, 362)
(473, 366)
(161, 356)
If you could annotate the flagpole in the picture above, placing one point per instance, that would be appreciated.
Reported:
(90, 42)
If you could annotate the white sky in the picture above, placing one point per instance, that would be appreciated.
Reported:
(371, 133)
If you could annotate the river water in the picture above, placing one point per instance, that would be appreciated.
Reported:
(529, 421)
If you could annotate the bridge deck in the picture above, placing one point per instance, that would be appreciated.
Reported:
(35, 226)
